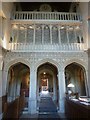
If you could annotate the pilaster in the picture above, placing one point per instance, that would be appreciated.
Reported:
(67, 34)
(42, 34)
(32, 91)
(59, 35)
(26, 34)
(51, 34)
(54, 88)
(34, 34)
(61, 83)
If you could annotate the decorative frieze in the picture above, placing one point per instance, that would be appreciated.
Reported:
(34, 58)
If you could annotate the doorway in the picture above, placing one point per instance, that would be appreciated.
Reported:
(18, 81)
(75, 79)
(47, 82)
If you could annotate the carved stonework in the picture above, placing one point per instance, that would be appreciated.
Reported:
(62, 59)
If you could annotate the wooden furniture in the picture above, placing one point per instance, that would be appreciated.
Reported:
(75, 109)
(12, 110)
(4, 100)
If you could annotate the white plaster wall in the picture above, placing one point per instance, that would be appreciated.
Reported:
(89, 71)
(83, 7)
(5, 24)
(0, 83)
(89, 9)
(0, 72)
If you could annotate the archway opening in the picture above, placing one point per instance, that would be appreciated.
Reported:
(18, 81)
(47, 81)
(75, 78)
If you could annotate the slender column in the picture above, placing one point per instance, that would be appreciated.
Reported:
(17, 33)
(54, 88)
(75, 35)
(38, 97)
(51, 34)
(87, 83)
(61, 82)
(42, 34)
(32, 91)
(34, 35)
(25, 34)
(59, 35)
(67, 34)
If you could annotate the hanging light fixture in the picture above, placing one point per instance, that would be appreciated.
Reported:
(70, 85)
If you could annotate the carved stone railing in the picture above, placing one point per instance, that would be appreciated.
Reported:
(45, 16)
(26, 47)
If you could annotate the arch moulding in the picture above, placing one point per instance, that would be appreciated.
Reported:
(41, 62)
(12, 62)
(82, 63)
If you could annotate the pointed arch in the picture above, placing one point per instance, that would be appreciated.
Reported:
(41, 62)
(77, 61)
(12, 62)
(78, 76)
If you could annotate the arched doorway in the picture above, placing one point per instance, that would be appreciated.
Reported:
(47, 80)
(18, 81)
(75, 78)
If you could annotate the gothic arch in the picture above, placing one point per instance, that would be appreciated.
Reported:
(84, 67)
(41, 62)
(12, 62)
(79, 62)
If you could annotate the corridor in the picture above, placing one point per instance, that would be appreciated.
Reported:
(47, 108)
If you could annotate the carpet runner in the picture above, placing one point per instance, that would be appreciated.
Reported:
(47, 108)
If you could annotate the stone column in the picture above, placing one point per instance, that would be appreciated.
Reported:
(54, 88)
(51, 34)
(38, 80)
(75, 35)
(59, 35)
(42, 34)
(34, 35)
(61, 82)
(17, 33)
(32, 90)
(26, 35)
(67, 34)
